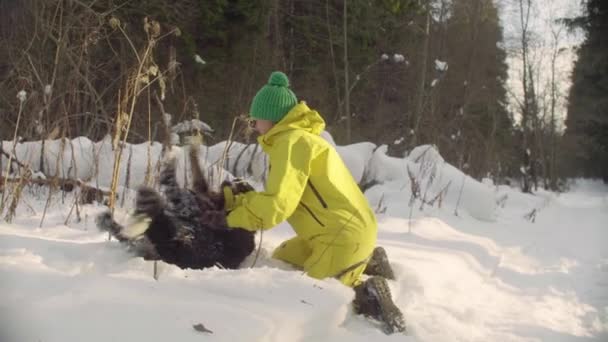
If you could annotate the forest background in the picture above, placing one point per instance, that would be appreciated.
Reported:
(395, 72)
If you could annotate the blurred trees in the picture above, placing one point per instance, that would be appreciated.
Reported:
(587, 122)
(416, 72)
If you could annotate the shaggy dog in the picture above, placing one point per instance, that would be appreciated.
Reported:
(186, 228)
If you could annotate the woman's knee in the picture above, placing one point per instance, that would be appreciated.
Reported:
(294, 251)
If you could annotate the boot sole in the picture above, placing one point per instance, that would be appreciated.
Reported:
(390, 315)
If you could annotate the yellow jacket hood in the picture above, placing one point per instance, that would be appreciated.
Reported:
(300, 117)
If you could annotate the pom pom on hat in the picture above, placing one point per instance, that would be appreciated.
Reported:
(278, 79)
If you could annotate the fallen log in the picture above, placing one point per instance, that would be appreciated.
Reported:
(88, 193)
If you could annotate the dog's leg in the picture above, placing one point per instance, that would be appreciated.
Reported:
(106, 223)
(148, 202)
(199, 183)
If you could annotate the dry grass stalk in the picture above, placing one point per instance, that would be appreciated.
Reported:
(127, 177)
(464, 178)
(148, 175)
(146, 74)
(427, 170)
(531, 216)
(54, 180)
(222, 160)
(380, 208)
(74, 205)
(22, 98)
(415, 193)
(439, 196)
(17, 196)
(75, 176)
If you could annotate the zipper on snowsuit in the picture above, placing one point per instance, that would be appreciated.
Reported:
(312, 214)
(317, 195)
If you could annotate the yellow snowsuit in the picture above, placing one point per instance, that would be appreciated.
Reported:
(309, 186)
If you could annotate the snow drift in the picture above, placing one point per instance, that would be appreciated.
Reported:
(420, 178)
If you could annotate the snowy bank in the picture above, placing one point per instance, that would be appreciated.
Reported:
(421, 178)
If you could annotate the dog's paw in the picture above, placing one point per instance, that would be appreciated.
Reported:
(105, 222)
(238, 186)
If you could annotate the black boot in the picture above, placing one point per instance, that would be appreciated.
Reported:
(373, 299)
(378, 265)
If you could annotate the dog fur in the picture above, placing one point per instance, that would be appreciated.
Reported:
(171, 227)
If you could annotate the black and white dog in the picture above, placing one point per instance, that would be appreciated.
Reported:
(183, 227)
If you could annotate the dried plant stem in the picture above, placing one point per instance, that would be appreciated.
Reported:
(74, 205)
(10, 158)
(464, 177)
(415, 190)
(148, 175)
(132, 93)
(226, 149)
(54, 181)
(155, 270)
(75, 164)
(127, 177)
(17, 196)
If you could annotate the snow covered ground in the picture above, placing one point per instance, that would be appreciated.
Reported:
(486, 274)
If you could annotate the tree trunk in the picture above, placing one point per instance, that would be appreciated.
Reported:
(416, 118)
(346, 80)
(525, 110)
(333, 62)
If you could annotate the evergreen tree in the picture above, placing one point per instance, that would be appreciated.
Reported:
(587, 122)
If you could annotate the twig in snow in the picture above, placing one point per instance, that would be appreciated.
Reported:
(201, 328)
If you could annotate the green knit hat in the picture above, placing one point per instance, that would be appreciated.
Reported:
(274, 100)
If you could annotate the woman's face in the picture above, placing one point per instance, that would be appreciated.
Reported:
(262, 126)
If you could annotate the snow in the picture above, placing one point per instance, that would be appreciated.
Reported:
(22, 95)
(398, 58)
(441, 66)
(486, 274)
(198, 59)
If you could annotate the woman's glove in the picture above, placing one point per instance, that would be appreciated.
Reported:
(231, 189)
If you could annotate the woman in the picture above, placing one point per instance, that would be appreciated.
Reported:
(309, 186)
